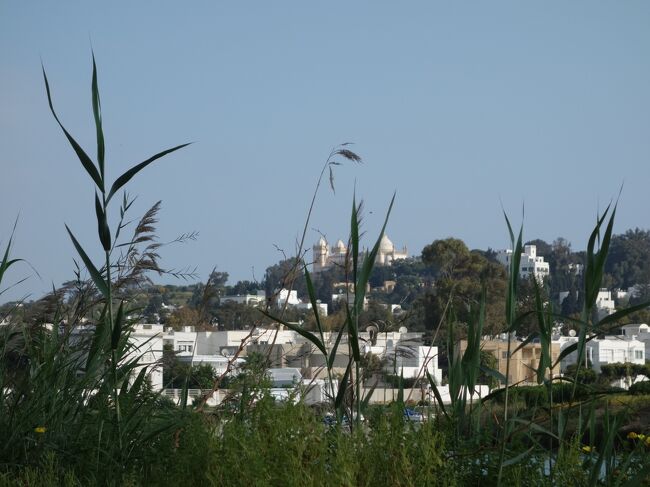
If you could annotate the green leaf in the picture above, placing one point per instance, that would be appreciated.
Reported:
(622, 313)
(353, 335)
(308, 335)
(314, 304)
(354, 239)
(369, 262)
(639, 477)
(102, 225)
(332, 357)
(343, 385)
(400, 388)
(97, 112)
(537, 427)
(126, 177)
(98, 342)
(137, 383)
(86, 162)
(493, 373)
(436, 392)
(118, 323)
(366, 400)
(518, 458)
(94, 273)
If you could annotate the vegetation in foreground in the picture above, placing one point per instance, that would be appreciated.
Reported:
(76, 408)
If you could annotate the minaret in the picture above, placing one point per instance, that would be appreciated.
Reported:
(320, 255)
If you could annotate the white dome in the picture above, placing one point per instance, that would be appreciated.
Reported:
(386, 245)
(321, 242)
(340, 245)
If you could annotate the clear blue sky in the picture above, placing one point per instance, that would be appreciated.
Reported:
(457, 106)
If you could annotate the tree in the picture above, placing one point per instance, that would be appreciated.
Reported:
(235, 316)
(586, 375)
(572, 304)
(154, 305)
(287, 274)
(627, 262)
(461, 277)
(245, 287)
(184, 316)
(616, 371)
(488, 361)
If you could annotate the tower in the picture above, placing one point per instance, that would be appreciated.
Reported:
(320, 255)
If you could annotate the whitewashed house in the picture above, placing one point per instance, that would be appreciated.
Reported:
(640, 332)
(530, 263)
(608, 350)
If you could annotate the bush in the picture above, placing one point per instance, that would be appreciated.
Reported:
(640, 388)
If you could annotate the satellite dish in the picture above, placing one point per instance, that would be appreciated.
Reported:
(572, 333)
(403, 329)
(226, 352)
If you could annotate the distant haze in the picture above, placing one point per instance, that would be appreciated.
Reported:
(459, 107)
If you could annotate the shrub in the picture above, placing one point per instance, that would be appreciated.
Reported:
(640, 388)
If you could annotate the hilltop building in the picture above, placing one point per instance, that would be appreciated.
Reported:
(530, 263)
(325, 256)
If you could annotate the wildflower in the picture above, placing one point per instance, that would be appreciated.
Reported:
(647, 442)
(641, 437)
(586, 449)
(40, 429)
(632, 435)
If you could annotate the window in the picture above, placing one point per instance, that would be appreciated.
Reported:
(638, 354)
(504, 355)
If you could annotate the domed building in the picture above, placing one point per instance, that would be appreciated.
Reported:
(388, 253)
(325, 257)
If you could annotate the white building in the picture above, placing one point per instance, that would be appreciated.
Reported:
(640, 332)
(145, 344)
(403, 353)
(290, 298)
(349, 297)
(257, 299)
(530, 263)
(602, 351)
(604, 303)
(321, 307)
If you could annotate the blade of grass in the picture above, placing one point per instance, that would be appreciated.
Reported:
(126, 177)
(86, 162)
(97, 113)
(94, 273)
(301, 331)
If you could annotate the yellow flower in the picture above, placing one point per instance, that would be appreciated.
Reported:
(647, 442)
(632, 435)
(40, 429)
(641, 437)
(586, 449)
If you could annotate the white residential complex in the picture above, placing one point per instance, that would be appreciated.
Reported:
(607, 350)
(400, 352)
(530, 264)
